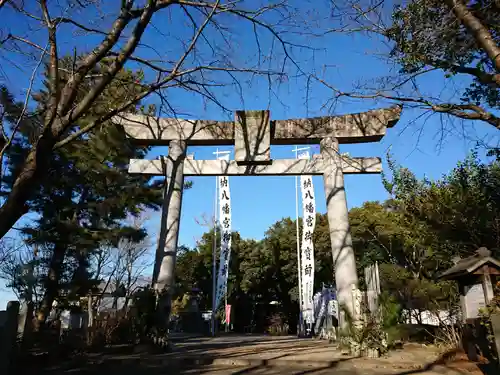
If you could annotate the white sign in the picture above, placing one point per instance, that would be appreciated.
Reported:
(357, 300)
(474, 300)
(333, 308)
(372, 280)
(307, 246)
(225, 227)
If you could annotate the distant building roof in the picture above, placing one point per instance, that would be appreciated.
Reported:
(468, 265)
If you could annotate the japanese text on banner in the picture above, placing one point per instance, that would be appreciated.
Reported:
(307, 245)
(225, 228)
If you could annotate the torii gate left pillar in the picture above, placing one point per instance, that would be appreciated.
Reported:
(252, 133)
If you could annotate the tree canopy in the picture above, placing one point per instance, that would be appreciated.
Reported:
(88, 193)
(414, 236)
(453, 40)
(199, 54)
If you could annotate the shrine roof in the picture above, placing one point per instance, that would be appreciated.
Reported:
(470, 264)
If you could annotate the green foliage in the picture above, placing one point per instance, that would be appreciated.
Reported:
(274, 262)
(413, 236)
(412, 292)
(87, 193)
(460, 210)
(385, 235)
(260, 271)
(427, 33)
(362, 336)
(390, 310)
(416, 234)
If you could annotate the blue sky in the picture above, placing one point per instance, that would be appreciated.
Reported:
(416, 142)
(258, 202)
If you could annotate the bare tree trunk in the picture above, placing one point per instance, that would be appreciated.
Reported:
(128, 285)
(90, 308)
(51, 283)
(36, 164)
(480, 32)
(2, 145)
(56, 262)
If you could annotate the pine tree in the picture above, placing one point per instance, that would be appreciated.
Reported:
(87, 195)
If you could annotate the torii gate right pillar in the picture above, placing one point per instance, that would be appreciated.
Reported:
(344, 261)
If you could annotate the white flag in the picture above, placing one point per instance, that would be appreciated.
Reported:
(307, 246)
(225, 227)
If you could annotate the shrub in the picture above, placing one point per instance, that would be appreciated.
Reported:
(363, 337)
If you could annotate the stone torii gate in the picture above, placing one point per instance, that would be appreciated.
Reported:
(252, 134)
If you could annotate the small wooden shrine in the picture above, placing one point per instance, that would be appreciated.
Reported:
(477, 276)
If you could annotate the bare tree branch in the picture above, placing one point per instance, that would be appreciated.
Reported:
(420, 37)
(23, 112)
(463, 111)
(123, 265)
(115, 67)
(23, 40)
(197, 59)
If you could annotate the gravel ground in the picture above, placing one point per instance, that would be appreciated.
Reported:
(259, 355)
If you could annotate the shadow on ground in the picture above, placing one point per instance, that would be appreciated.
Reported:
(201, 357)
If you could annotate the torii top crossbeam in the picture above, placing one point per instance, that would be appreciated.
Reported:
(252, 134)
(361, 127)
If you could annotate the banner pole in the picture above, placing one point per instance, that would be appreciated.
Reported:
(214, 255)
(297, 230)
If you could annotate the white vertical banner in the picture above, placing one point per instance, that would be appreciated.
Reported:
(307, 246)
(225, 235)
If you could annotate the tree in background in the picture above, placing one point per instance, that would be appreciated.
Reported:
(382, 233)
(20, 271)
(199, 52)
(87, 196)
(460, 210)
(122, 268)
(424, 226)
(260, 272)
(414, 236)
(406, 252)
(194, 268)
(270, 270)
(453, 39)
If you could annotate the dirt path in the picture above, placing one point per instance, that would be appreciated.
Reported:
(265, 355)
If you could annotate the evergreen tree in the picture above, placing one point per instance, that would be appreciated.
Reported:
(260, 272)
(461, 209)
(86, 196)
